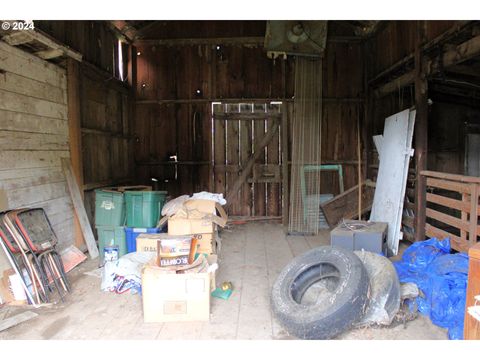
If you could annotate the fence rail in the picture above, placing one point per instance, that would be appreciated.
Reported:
(455, 198)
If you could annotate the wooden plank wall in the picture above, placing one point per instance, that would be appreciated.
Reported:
(394, 42)
(33, 138)
(106, 105)
(343, 92)
(167, 102)
(183, 126)
(107, 134)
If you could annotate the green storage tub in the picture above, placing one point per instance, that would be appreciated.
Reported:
(144, 208)
(111, 236)
(109, 208)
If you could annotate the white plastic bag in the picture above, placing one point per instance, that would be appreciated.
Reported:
(205, 195)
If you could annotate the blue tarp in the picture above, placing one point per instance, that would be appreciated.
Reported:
(442, 279)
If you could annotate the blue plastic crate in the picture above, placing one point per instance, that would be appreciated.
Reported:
(132, 233)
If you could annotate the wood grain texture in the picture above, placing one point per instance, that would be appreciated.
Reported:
(472, 325)
(274, 201)
(79, 208)
(16, 319)
(169, 77)
(27, 65)
(75, 135)
(25, 104)
(259, 195)
(17, 121)
(345, 205)
(34, 137)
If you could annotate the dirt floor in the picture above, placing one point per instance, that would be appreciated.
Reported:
(251, 257)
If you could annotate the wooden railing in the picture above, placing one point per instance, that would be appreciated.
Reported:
(457, 196)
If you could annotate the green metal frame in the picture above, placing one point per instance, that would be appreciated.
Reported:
(311, 168)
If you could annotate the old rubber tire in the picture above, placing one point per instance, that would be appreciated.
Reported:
(384, 296)
(344, 306)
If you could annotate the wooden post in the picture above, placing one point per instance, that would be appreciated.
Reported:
(421, 133)
(464, 217)
(75, 134)
(472, 325)
(285, 172)
(132, 67)
(473, 224)
(368, 116)
(74, 119)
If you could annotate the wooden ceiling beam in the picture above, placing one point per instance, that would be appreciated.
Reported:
(27, 36)
(405, 64)
(458, 54)
(123, 30)
(245, 41)
(49, 54)
(250, 40)
(17, 38)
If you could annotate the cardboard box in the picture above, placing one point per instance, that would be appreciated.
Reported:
(196, 217)
(146, 243)
(6, 290)
(175, 250)
(170, 297)
(206, 243)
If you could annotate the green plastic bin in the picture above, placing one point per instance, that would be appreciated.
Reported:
(111, 236)
(109, 208)
(144, 207)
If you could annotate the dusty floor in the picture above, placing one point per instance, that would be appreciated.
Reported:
(251, 257)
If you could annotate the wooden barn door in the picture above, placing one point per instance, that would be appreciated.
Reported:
(246, 156)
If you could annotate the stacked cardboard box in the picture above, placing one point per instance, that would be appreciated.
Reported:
(197, 218)
(178, 293)
(182, 293)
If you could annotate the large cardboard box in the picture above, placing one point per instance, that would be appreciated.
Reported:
(170, 297)
(196, 217)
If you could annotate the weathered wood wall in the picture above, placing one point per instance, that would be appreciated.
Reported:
(172, 118)
(33, 138)
(406, 67)
(106, 104)
(343, 106)
(106, 127)
(395, 40)
(392, 44)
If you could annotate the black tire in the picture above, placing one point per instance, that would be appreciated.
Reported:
(322, 320)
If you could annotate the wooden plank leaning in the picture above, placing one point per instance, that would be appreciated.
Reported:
(79, 208)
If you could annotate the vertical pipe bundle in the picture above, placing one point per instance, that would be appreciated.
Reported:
(304, 209)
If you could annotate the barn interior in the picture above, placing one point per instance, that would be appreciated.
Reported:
(219, 106)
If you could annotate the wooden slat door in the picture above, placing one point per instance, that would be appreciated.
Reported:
(238, 130)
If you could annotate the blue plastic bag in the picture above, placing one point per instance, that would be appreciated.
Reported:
(442, 279)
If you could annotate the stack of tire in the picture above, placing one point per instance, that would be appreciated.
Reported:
(349, 292)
